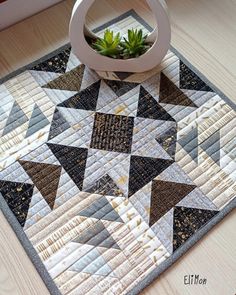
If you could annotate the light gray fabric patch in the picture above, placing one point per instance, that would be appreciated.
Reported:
(212, 146)
(15, 173)
(97, 235)
(37, 121)
(15, 119)
(163, 229)
(174, 173)
(190, 143)
(92, 263)
(101, 209)
(196, 199)
(141, 201)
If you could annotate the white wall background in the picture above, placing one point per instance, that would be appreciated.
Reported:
(13, 11)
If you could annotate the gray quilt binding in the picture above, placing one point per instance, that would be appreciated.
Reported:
(31, 252)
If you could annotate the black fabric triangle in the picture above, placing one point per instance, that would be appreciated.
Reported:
(143, 170)
(189, 80)
(123, 75)
(167, 140)
(187, 221)
(56, 64)
(73, 160)
(58, 125)
(120, 87)
(85, 99)
(165, 195)
(171, 94)
(149, 108)
(106, 186)
(18, 197)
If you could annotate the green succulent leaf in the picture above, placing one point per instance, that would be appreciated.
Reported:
(135, 45)
(109, 45)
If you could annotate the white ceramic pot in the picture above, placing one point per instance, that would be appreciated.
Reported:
(88, 56)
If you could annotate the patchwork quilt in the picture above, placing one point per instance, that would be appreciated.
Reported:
(109, 174)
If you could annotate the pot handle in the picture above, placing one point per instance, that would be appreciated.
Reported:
(94, 60)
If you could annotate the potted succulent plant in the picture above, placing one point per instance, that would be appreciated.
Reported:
(136, 53)
(115, 46)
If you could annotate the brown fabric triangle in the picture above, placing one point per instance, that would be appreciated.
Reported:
(70, 81)
(45, 177)
(165, 195)
(170, 93)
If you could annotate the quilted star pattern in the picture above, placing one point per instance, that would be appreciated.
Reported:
(109, 174)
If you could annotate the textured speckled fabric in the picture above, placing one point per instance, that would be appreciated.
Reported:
(111, 176)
